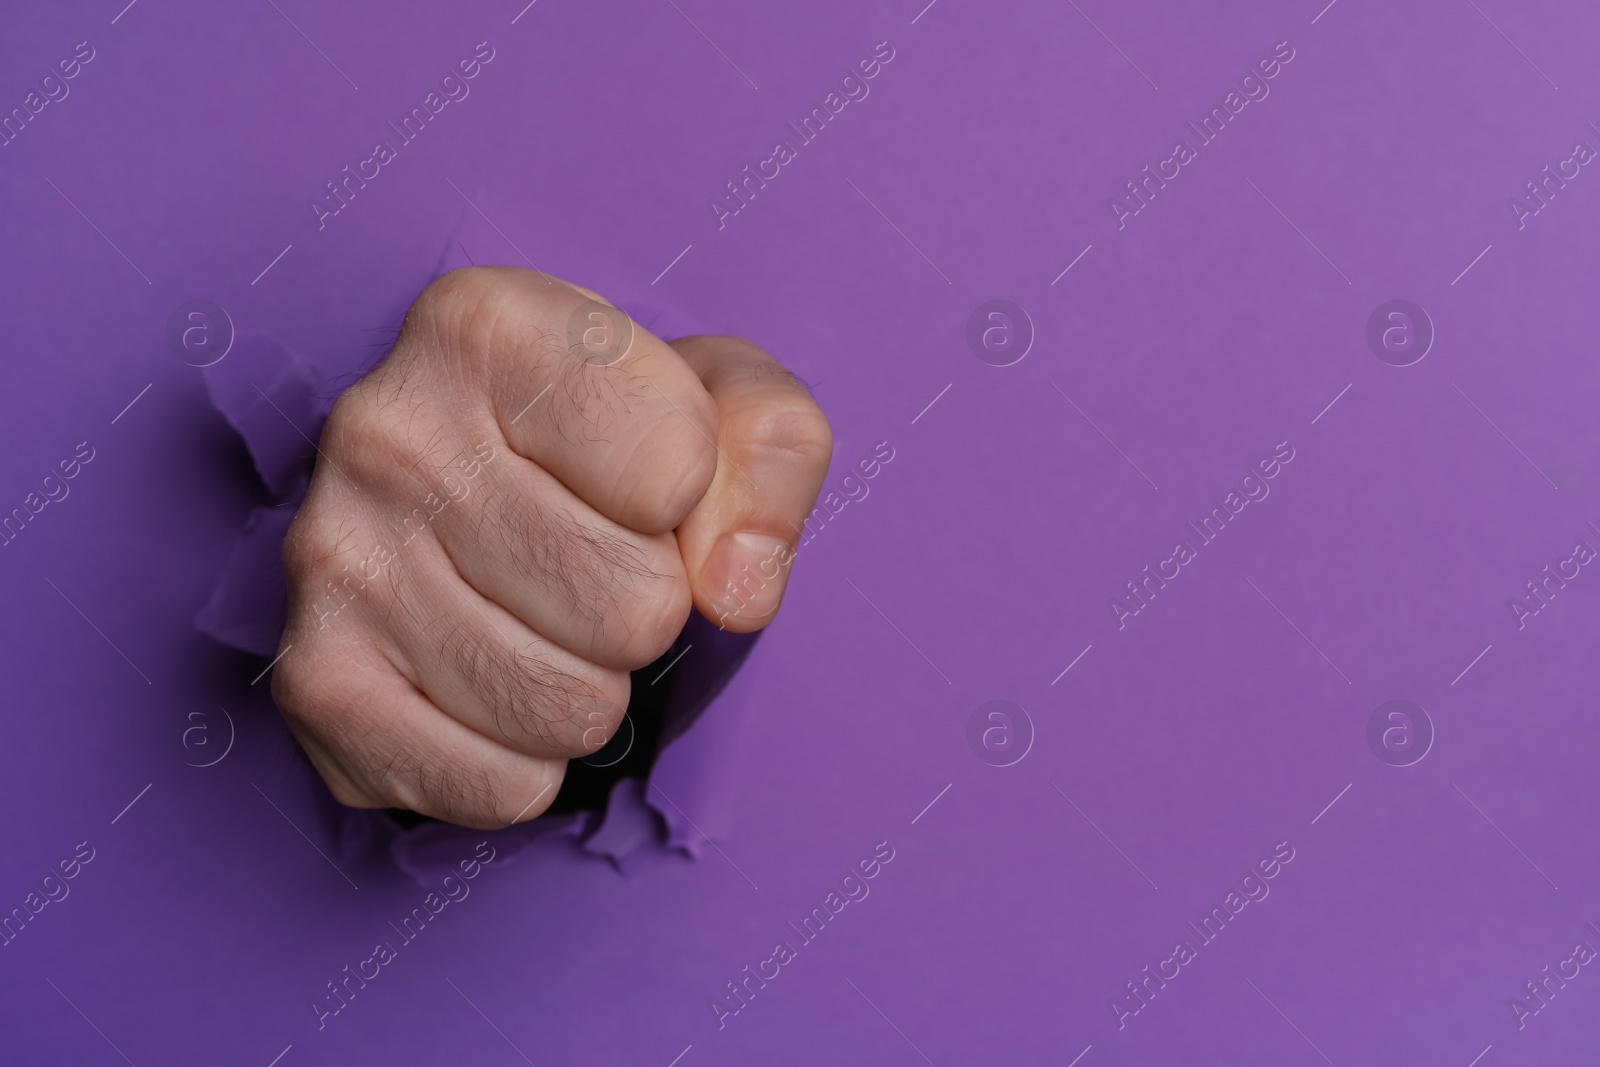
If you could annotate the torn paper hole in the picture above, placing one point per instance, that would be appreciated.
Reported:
(675, 795)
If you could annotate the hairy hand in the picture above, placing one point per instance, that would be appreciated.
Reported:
(513, 510)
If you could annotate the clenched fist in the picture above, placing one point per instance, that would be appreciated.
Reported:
(513, 510)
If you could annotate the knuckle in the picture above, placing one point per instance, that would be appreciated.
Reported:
(297, 691)
(314, 540)
(471, 312)
(331, 565)
(394, 443)
(301, 693)
(367, 432)
(308, 541)
(316, 536)
(460, 299)
(315, 693)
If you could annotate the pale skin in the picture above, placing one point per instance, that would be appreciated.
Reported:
(570, 500)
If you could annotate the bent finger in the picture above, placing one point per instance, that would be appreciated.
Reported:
(773, 448)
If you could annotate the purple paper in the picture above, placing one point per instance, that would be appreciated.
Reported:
(1191, 658)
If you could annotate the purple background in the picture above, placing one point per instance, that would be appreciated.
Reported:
(1221, 720)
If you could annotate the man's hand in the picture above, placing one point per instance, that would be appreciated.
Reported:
(512, 511)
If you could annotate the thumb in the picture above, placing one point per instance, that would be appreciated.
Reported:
(773, 447)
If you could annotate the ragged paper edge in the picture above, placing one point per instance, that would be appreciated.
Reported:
(273, 399)
(246, 610)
